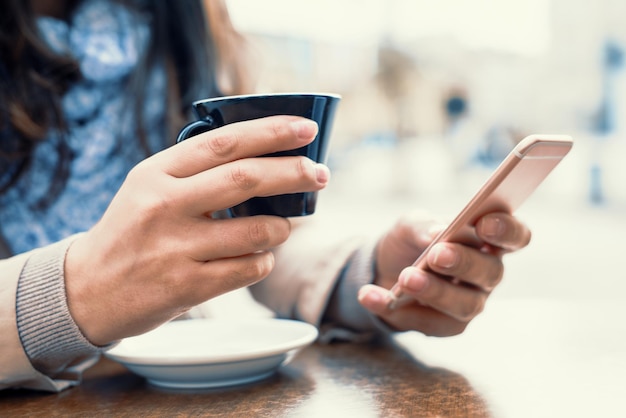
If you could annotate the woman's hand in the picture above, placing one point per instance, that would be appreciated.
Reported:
(157, 252)
(459, 278)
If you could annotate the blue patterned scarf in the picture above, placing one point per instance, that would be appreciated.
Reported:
(108, 41)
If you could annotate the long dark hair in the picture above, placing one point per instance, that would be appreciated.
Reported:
(33, 78)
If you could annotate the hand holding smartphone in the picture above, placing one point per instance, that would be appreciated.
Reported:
(519, 174)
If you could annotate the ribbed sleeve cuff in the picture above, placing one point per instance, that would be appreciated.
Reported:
(349, 320)
(50, 337)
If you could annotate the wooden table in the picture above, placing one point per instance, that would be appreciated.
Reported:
(526, 358)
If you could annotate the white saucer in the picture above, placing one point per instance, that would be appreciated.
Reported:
(209, 353)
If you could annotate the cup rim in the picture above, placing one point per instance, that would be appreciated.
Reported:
(259, 95)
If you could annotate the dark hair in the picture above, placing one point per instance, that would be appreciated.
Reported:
(33, 78)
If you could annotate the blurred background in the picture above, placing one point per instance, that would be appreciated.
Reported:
(434, 96)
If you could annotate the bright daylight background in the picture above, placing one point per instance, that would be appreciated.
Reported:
(435, 94)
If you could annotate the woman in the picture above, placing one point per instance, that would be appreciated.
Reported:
(108, 228)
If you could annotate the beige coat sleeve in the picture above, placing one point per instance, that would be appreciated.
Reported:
(15, 368)
(306, 270)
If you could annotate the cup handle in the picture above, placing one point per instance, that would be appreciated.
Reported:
(193, 129)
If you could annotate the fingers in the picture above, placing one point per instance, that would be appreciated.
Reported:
(216, 170)
(213, 239)
(217, 277)
(235, 141)
(455, 280)
(399, 248)
(450, 285)
(418, 317)
(232, 183)
(450, 297)
(469, 265)
(503, 230)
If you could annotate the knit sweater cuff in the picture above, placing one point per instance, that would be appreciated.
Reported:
(50, 337)
(347, 318)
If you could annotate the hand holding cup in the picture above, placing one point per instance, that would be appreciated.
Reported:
(157, 252)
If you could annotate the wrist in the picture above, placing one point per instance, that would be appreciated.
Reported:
(79, 290)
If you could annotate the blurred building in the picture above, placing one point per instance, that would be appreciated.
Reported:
(520, 67)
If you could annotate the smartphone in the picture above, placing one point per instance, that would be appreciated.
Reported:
(519, 174)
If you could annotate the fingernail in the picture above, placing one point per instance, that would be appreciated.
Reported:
(305, 128)
(492, 227)
(373, 297)
(414, 282)
(444, 256)
(322, 173)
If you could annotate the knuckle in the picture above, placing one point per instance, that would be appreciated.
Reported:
(470, 311)
(448, 328)
(497, 277)
(243, 178)
(411, 227)
(403, 229)
(151, 201)
(259, 234)
(456, 329)
(430, 332)
(277, 128)
(141, 171)
(261, 267)
(436, 293)
(405, 223)
(281, 229)
(254, 269)
(464, 263)
(221, 145)
(151, 209)
(494, 277)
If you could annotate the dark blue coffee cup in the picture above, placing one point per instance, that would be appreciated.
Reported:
(217, 112)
